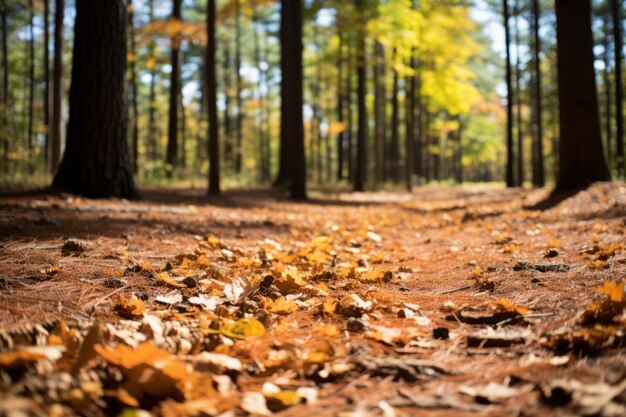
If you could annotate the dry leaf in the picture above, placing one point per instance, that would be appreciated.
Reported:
(130, 308)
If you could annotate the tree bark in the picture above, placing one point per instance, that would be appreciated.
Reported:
(619, 92)
(5, 89)
(46, 81)
(31, 90)
(519, 118)
(581, 159)
(361, 157)
(152, 138)
(291, 119)
(238, 144)
(510, 179)
(379, 108)
(96, 163)
(133, 87)
(394, 153)
(57, 87)
(172, 137)
(410, 129)
(211, 89)
(538, 166)
(340, 100)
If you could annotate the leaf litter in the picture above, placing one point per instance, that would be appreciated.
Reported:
(331, 309)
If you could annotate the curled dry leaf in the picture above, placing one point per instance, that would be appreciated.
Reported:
(130, 308)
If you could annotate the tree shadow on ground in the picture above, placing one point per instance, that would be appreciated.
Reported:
(555, 198)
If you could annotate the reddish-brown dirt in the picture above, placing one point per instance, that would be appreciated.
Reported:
(380, 280)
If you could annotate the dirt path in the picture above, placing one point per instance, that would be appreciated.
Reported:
(446, 302)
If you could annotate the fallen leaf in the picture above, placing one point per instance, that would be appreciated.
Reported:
(130, 308)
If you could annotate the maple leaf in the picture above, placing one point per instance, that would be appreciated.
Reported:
(283, 306)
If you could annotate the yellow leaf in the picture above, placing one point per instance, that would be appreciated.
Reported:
(614, 290)
(129, 358)
(131, 308)
(244, 328)
(509, 305)
(283, 306)
(329, 306)
(165, 278)
(285, 398)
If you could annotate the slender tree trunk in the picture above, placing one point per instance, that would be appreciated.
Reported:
(226, 72)
(267, 131)
(46, 82)
(57, 87)
(183, 129)
(211, 89)
(152, 133)
(133, 87)
(608, 92)
(410, 129)
(350, 117)
(238, 144)
(291, 119)
(361, 157)
(459, 153)
(260, 111)
(518, 96)
(395, 127)
(96, 162)
(379, 107)
(581, 158)
(619, 91)
(510, 178)
(31, 90)
(538, 166)
(340, 100)
(5, 89)
(172, 132)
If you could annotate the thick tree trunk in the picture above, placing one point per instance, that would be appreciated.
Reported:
(619, 92)
(211, 89)
(581, 159)
(291, 119)
(57, 87)
(361, 153)
(510, 101)
(172, 132)
(96, 162)
(538, 168)
(133, 88)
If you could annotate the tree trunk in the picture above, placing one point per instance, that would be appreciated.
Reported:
(57, 87)
(228, 145)
(46, 81)
(171, 157)
(581, 160)
(361, 153)
(260, 110)
(510, 180)
(340, 100)
(350, 119)
(410, 129)
(152, 137)
(608, 93)
(518, 96)
(291, 119)
(31, 89)
(379, 108)
(238, 144)
(211, 89)
(619, 92)
(96, 162)
(133, 88)
(538, 169)
(394, 153)
(5, 90)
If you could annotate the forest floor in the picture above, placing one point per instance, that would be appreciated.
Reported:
(446, 302)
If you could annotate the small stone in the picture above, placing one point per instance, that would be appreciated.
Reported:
(190, 282)
(551, 253)
(441, 333)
